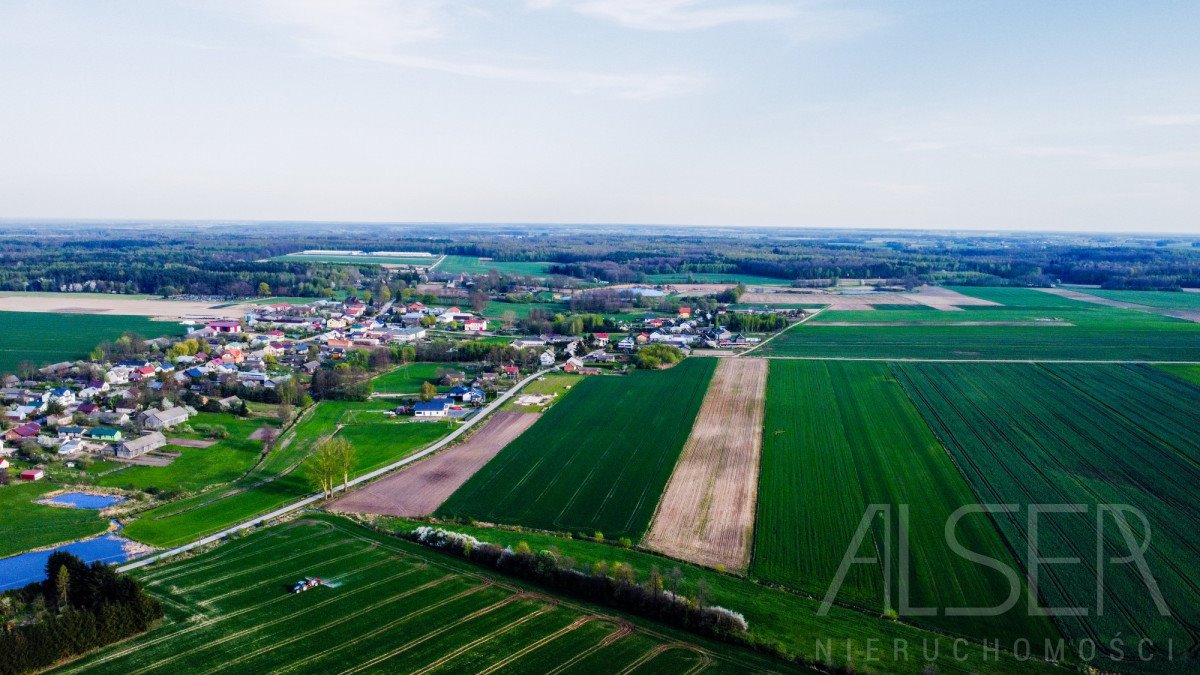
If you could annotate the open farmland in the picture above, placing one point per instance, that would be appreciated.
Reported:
(407, 379)
(461, 264)
(1095, 332)
(706, 514)
(1082, 435)
(597, 460)
(388, 606)
(366, 259)
(43, 338)
(789, 620)
(838, 437)
(418, 490)
(279, 478)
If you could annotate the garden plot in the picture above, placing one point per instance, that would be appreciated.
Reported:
(706, 514)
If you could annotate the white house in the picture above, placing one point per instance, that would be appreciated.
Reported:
(475, 325)
(546, 358)
(438, 407)
(162, 419)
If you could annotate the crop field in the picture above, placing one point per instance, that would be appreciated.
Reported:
(198, 468)
(597, 460)
(716, 278)
(388, 606)
(49, 338)
(1082, 435)
(838, 437)
(407, 379)
(461, 264)
(787, 619)
(496, 309)
(1156, 299)
(28, 525)
(1095, 332)
(706, 514)
(418, 490)
(279, 478)
(1188, 372)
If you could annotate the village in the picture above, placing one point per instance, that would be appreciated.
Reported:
(124, 409)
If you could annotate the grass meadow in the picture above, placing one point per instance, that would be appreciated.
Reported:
(597, 460)
(461, 264)
(49, 338)
(389, 606)
(408, 378)
(1082, 434)
(838, 437)
(28, 525)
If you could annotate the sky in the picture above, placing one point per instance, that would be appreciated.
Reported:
(957, 114)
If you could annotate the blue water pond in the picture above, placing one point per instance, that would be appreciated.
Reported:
(26, 568)
(81, 500)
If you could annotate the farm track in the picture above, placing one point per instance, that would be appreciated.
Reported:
(706, 514)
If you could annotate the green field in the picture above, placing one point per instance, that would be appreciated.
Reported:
(1157, 299)
(198, 468)
(1097, 332)
(1086, 435)
(390, 606)
(279, 479)
(788, 620)
(716, 278)
(838, 437)
(598, 460)
(50, 338)
(28, 525)
(496, 309)
(461, 264)
(408, 378)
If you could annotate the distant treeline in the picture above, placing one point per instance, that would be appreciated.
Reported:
(234, 259)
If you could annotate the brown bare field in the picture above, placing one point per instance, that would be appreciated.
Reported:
(191, 442)
(930, 296)
(706, 514)
(72, 303)
(420, 489)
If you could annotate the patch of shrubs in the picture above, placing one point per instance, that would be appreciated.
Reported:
(78, 608)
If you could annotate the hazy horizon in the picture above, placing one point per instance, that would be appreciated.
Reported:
(941, 116)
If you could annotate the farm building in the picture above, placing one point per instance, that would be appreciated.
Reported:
(33, 474)
(226, 326)
(136, 447)
(438, 407)
(468, 394)
(162, 419)
(104, 434)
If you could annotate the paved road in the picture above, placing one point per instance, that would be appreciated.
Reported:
(312, 499)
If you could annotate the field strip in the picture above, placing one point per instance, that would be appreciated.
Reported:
(621, 631)
(912, 359)
(448, 627)
(529, 648)
(778, 333)
(485, 639)
(655, 651)
(249, 570)
(225, 617)
(312, 499)
(201, 564)
(300, 636)
(392, 624)
(706, 513)
(208, 602)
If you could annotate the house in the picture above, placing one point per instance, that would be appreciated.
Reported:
(71, 448)
(627, 343)
(62, 396)
(228, 402)
(4, 464)
(225, 326)
(572, 365)
(475, 325)
(511, 371)
(438, 407)
(104, 434)
(599, 356)
(642, 338)
(522, 343)
(114, 417)
(468, 394)
(33, 474)
(162, 419)
(70, 433)
(600, 339)
(135, 447)
(546, 358)
(685, 312)
(452, 377)
(23, 432)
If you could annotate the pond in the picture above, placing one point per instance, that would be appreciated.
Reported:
(647, 292)
(19, 570)
(83, 500)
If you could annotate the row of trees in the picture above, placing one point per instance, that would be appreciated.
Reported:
(615, 585)
(78, 608)
(331, 464)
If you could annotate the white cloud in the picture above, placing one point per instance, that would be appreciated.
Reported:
(407, 34)
(1167, 120)
(799, 19)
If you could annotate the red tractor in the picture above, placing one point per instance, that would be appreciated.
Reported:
(305, 584)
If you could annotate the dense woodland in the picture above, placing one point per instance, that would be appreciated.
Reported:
(235, 259)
